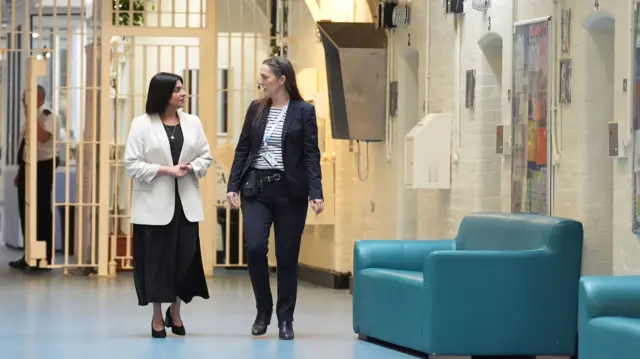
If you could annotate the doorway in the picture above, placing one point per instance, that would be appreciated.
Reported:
(408, 116)
(597, 188)
(491, 82)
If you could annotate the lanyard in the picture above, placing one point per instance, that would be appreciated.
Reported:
(281, 116)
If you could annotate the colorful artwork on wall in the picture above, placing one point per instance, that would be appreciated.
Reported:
(530, 115)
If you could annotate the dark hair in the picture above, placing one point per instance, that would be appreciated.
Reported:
(280, 66)
(42, 93)
(160, 91)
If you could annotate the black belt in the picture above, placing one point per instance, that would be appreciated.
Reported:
(270, 178)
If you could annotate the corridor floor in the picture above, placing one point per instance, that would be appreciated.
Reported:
(46, 315)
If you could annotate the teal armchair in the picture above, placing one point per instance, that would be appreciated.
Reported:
(506, 285)
(609, 317)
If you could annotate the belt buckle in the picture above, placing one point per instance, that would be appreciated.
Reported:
(276, 177)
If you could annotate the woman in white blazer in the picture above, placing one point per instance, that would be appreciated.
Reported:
(166, 155)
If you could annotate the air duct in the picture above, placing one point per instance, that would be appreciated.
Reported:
(356, 61)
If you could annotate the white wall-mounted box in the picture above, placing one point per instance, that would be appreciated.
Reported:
(427, 153)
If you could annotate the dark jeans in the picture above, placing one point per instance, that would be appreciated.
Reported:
(44, 184)
(274, 205)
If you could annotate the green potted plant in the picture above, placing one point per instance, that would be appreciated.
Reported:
(127, 17)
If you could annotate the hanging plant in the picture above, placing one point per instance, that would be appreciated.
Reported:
(127, 17)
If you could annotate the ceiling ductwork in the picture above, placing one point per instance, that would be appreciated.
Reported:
(356, 62)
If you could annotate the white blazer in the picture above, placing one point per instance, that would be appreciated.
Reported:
(147, 148)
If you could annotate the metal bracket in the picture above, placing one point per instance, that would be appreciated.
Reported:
(481, 5)
(393, 98)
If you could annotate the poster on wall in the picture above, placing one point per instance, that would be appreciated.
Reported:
(635, 223)
(530, 180)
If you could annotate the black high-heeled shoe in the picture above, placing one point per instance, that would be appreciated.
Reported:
(177, 330)
(160, 334)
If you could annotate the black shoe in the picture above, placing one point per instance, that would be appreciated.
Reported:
(22, 265)
(177, 330)
(160, 334)
(19, 264)
(261, 323)
(286, 330)
(40, 269)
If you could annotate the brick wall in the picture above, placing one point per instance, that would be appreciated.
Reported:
(626, 246)
(589, 186)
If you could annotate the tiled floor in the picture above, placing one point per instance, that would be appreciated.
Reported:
(46, 315)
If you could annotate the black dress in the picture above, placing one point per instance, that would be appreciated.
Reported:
(167, 262)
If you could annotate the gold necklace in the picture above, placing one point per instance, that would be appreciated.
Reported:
(171, 136)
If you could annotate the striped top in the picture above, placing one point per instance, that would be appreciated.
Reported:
(274, 145)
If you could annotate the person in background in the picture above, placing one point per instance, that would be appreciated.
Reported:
(276, 173)
(48, 160)
(166, 154)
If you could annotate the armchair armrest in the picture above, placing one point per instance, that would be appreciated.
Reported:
(617, 296)
(396, 254)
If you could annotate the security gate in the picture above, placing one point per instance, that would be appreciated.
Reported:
(86, 55)
(95, 60)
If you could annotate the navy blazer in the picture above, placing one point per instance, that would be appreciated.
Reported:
(300, 152)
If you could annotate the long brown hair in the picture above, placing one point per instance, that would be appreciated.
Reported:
(280, 66)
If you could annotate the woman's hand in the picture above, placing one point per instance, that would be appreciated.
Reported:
(232, 198)
(174, 171)
(317, 205)
(178, 171)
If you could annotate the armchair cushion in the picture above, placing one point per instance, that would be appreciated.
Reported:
(522, 289)
(611, 337)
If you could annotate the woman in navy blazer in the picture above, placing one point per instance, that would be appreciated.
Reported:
(276, 173)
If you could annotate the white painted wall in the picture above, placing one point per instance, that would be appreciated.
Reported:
(583, 172)
(589, 186)
(372, 207)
